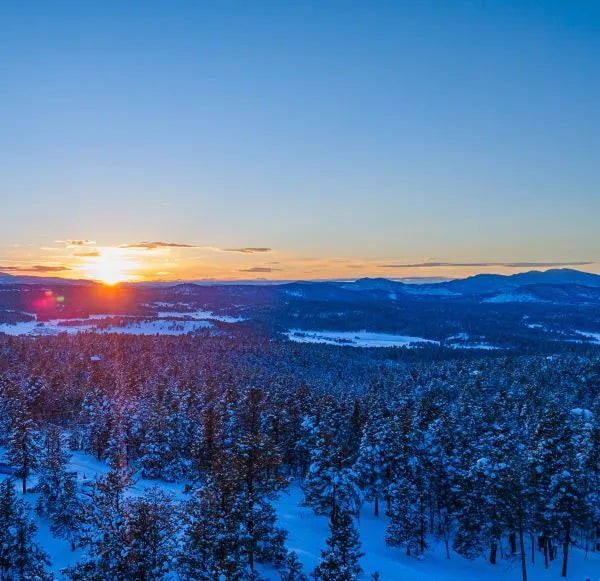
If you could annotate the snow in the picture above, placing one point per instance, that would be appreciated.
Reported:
(354, 338)
(460, 341)
(485, 346)
(135, 327)
(583, 413)
(595, 337)
(307, 533)
(513, 297)
(199, 315)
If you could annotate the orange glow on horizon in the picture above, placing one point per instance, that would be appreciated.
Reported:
(110, 268)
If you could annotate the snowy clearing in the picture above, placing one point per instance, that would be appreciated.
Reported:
(135, 327)
(355, 338)
(199, 315)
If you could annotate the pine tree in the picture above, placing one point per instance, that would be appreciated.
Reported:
(407, 524)
(20, 556)
(203, 526)
(52, 472)
(370, 463)
(66, 516)
(104, 527)
(292, 569)
(340, 561)
(152, 528)
(23, 445)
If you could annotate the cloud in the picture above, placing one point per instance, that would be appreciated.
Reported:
(483, 264)
(76, 242)
(87, 253)
(35, 268)
(155, 245)
(247, 250)
(259, 269)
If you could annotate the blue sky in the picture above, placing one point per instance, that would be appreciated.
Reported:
(343, 136)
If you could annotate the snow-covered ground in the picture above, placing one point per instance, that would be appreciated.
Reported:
(355, 338)
(516, 296)
(199, 315)
(307, 534)
(163, 326)
(595, 337)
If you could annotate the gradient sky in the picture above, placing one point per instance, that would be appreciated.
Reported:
(298, 139)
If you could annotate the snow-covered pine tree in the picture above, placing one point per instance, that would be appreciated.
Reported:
(292, 569)
(20, 556)
(407, 510)
(66, 516)
(558, 482)
(203, 524)
(370, 462)
(340, 560)
(152, 529)
(52, 471)
(23, 445)
(104, 527)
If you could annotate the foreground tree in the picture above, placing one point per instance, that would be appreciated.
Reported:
(21, 558)
(340, 561)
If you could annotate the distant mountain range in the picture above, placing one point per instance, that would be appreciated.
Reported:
(563, 284)
(6, 278)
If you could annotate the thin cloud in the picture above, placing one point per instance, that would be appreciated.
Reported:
(35, 268)
(247, 249)
(259, 269)
(155, 245)
(76, 242)
(484, 264)
(87, 253)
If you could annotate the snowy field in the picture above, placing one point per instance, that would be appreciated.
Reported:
(595, 337)
(354, 338)
(307, 533)
(163, 326)
(199, 315)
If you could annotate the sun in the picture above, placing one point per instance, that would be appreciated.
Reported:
(111, 267)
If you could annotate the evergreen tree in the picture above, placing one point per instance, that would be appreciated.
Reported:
(52, 472)
(23, 445)
(21, 558)
(292, 569)
(340, 561)
(152, 528)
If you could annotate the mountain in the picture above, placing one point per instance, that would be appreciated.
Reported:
(6, 278)
(496, 283)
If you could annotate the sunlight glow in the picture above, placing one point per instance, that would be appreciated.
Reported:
(111, 267)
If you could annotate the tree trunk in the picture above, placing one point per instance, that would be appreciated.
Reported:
(566, 549)
(522, 548)
(493, 552)
(422, 531)
(545, 552)
(532, 548)
(512, 539)
(376, 505)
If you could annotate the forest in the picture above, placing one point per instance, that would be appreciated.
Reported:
(493, 457)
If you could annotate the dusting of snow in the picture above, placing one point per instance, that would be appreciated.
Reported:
(355, 338)
(513, 297)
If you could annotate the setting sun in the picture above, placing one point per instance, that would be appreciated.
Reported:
(110, 267)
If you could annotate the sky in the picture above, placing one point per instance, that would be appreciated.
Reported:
(298, 140)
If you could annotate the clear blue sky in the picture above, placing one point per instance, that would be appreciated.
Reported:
(364, 132)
